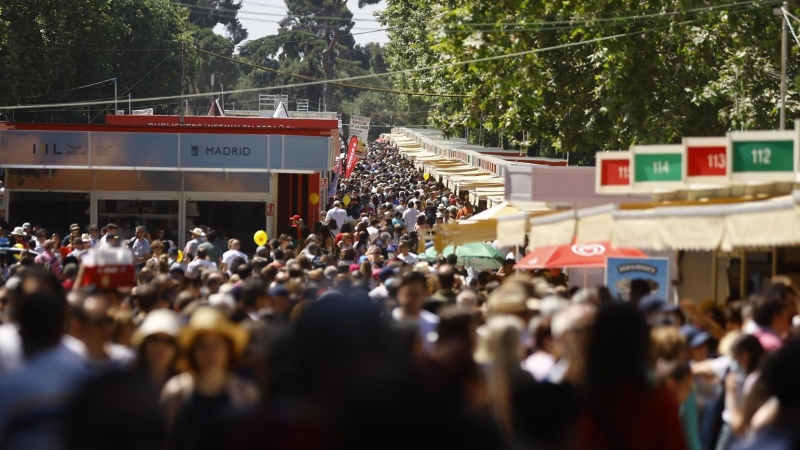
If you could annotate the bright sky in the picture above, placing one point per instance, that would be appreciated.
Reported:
(261, 18)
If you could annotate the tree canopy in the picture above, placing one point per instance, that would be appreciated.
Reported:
(678, 68)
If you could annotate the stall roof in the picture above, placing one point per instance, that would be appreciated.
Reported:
(723, 225)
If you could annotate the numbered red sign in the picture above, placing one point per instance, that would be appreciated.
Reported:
(612, 174)
(706, 159)
(615, 172)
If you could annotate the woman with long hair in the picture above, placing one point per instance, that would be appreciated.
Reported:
(326, 239)
(422, 228)
(500, 351)
(747, 355)
(622, 409)
(362, 245)
(199, 402)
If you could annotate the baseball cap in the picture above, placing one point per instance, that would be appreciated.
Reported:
(386, 273)
(650, 304)
(694, 336)
(278, 290)
(295, 217)
(72, 227)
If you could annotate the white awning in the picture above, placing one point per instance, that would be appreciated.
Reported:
(552, 229)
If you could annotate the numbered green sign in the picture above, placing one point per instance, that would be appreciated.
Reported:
(657, 166)
(762, 155)
(767, 156)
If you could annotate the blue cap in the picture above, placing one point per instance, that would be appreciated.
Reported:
(392, 248)
(650, 304)
(279, 290)
(362, 259)
(694, 336)
(386, 273)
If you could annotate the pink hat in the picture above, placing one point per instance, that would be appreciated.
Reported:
(375, 273)
(354, 267)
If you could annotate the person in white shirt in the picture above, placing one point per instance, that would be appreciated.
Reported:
(411, 296)
(233, 253)
(200, 260)
(41, 238)
(338, 214)
(410, 216)
(111, 230)
(405, 255)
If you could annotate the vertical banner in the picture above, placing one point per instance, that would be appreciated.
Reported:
(352, 156)
(359, 126)
(337, 172)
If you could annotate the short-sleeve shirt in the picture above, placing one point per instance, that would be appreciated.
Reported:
(410, 218)
(141, 248)
(213, 250)
(230, 255)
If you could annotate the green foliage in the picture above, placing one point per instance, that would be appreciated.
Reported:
(209, 13)
(50, 47)
(315, 42)
(692, 73)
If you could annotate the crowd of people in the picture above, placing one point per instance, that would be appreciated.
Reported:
(342, 335)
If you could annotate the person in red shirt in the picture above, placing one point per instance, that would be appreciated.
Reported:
(295, 221)
(622, 409)
(467, 210)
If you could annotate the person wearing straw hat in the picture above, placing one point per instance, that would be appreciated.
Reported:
(156, 342)
(198, 237)
(198, 400)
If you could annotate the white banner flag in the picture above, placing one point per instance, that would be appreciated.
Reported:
(142, 112)
(359, 126)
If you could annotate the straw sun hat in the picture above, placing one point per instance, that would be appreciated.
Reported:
(208, 320)
(158, 321)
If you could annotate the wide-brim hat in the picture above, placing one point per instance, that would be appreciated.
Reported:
(208, 320)
(198, 232)
(18, 231)
(511, 301)
(86, 238)
(158, 321)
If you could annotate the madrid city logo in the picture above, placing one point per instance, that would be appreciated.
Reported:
(198, 150)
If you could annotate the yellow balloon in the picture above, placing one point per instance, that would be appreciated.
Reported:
(180, 256)
(313, 198)
(260, 237)
(346, 200)
(18, 255)
(426, 175)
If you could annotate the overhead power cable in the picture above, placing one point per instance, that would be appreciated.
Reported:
(385, 74)
(634, 17)
(132, 86)
(338, 83)
(70, 89)
(234, 11)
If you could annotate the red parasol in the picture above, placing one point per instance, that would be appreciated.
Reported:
(577, 255)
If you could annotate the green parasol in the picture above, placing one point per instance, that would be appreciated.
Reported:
(477, 255)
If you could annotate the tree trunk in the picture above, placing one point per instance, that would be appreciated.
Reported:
(327, 67)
